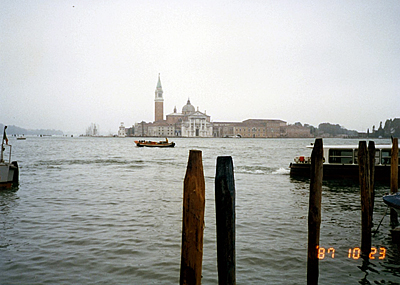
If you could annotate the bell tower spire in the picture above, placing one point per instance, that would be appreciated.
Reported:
(159, 102)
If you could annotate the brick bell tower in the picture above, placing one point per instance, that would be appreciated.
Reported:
(159, 102)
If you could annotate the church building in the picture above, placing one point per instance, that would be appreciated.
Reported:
(188, 123)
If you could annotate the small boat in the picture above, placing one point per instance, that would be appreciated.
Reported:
(340, 162)
(165, 143)
(20, 138)
(9, 172)
(393, 201)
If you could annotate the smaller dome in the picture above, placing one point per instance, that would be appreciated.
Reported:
(188, 108)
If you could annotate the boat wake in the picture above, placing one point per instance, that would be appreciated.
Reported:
(282, 171)
(261, 170)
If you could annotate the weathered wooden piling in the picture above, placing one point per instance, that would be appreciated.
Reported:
(366, 165)
(314, 213)
(371, 162)
(394, 178)
(193, 220)
(225, 216)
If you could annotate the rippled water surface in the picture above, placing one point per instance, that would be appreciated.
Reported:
(102, 211)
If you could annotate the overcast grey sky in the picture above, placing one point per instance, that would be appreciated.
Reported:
(66, 64)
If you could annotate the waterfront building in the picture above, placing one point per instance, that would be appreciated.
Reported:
(121, 130)
(225, 129)
(154, 129)
(130, 132)
(251, 128)
(256, 128)
(160, 129)
(142, 129)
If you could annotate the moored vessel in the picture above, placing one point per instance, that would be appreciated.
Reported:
(393, 201)
(340, 162)
(9, 171)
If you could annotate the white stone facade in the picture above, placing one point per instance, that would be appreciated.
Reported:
(197, 125)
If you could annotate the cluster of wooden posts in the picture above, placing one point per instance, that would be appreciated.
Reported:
(366, 161)
(194, 206)
(193, 220)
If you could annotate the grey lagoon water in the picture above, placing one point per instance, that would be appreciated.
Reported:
(102, 211)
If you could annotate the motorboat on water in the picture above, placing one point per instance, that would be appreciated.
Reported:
(393, 201)
(340, 162)
(9, 171)
(166, 143)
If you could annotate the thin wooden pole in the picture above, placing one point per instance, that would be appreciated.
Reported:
(371, 167)
(193, 220)
(225, 215)
(314, 213)
(364, 178)
(394, 177)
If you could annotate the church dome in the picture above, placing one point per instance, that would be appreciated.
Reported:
(188, 108)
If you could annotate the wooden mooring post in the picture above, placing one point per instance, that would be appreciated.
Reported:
(371, 161)
(314, 213)
(193, 220)
(394, 178)
(366, 164)
(225, 216)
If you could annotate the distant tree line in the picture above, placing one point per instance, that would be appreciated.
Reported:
(329, 130)
(13, 130)
(335, 130)
(391, 129)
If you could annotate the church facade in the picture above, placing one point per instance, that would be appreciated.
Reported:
(190, 123)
